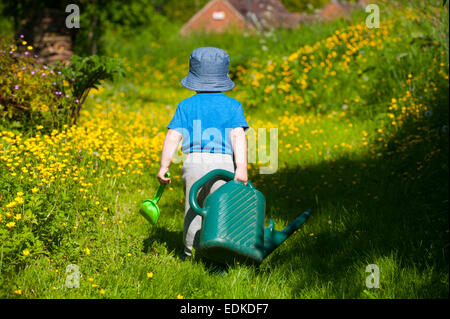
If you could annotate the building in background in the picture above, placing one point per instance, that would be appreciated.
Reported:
(336, 9)
(222, 15)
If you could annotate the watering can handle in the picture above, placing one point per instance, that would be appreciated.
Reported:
(160, 189)
(202, 181)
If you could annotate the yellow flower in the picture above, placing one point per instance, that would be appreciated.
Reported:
(87, 251)
(35, 190)
(12, 204)
(149, 275)
(180, 297)
(91, 279)
(18, 292)
(20, 194)
(11, 224)
(26, 252)
(102, 291)
(18, 216)
(94, 286)
(29, 47)
(268, 89)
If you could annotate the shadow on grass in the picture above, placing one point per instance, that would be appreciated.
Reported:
(394, 203)
(172, 240)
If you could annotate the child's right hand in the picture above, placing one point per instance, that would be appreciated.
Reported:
(162, 179)
(241, 174)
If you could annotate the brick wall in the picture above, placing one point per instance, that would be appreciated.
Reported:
(332, 11)
(216, 16)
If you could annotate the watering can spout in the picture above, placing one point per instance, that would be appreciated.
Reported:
(274, 238)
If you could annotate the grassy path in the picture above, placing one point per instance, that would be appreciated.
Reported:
(361, 217)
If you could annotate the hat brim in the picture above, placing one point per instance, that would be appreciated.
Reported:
(207, 83)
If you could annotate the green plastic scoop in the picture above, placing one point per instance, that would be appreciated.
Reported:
(149, 207)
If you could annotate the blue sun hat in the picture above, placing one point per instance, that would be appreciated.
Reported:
(208, 70)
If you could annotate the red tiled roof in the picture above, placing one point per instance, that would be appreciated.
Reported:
(265, 13)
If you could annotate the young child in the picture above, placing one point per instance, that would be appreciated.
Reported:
(212, 127)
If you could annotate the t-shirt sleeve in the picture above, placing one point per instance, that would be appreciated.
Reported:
(177, 120)
(239, 117)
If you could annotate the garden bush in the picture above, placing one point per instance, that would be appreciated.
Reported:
(32, 94)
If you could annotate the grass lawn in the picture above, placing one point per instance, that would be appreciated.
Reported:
(378, 191)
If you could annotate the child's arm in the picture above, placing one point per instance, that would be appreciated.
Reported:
(239, 145)
(171, 141)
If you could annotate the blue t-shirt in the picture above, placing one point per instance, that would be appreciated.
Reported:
(205, 120)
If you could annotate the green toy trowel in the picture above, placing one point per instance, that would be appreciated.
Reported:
(149, 207)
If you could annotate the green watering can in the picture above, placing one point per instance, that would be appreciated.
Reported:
(233, 221)
(149, 207)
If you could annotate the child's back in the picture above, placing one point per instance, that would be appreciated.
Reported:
(205, 121)
(212, 128)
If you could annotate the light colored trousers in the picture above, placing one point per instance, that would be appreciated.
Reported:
(196, 166)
